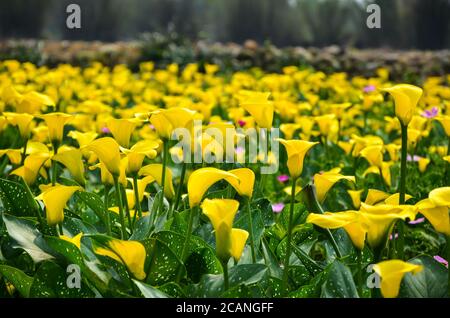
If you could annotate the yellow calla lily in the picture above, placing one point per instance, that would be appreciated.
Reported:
(257, 104)
(296, 151)
(122, 129)
(76, 240)
(107, 150)
(423, 164)
(245, 182)
(373, 154)
(132, 254)
(324, 182)
(445, 122)
(55, 199)
(138, 152)
(437, 215)
(221, 213)
(32, 102)
(391, 273)
(440, 196)
(395, 199)
(31, 167)
(374, 196)
(83, 139)
(350, 221)
(166, 121)
(201, 180)
(155, 170)
(55, 123)
(72, 160)
(406, 98)
(22, 121)
(14, 155)
(106, 176)
(355, 195)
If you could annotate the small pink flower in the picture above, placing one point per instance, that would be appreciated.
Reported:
(419, 220)
(369, 88)
(430, 113)
(151, 127)
(393, 237)
(106, 130)
(241, 122)
(277, 207)
(239, 150)
(414, 158)
(441, 260)
(283, 178)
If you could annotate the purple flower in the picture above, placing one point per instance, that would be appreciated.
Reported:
(241, 122)
(441, 260)
(419, 220)
(369, 88)
(277, 207)
(283, 178)
(393, 237)
(414, 158)
(430, 113)
(239, 150)
(106, 130)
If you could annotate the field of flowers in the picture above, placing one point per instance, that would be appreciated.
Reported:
(98, 199)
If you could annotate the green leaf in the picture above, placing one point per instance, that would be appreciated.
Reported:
(431, 282)
(312, 266)
(16, 199)
(148, 291)
(52, 281)
(27, 237)
(21, 281)
(94, 202)
(271, 261)
(339, 282)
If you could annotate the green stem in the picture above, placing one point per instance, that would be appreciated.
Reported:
(60, 227)
(402, 189)
(448, 259)
(120, 204)
(360, 276)
(284, 282)
(107, 216)
(127, 208)
(226, 280)
(382, 180)
(180, 187)
(24, 152)
(137, 203)
(184, 250)
(53, 172)
(163, 177)
(250, 225)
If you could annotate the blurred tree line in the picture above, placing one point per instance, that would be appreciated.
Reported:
(422, 24)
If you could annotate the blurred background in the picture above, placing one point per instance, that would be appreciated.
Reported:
(406, 24)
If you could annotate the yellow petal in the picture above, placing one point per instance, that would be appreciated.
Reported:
(155, 170)
(355, 195)
(107, 150)
(238, 239)
(406, 98)
(245, 182)
(440, 196)
(374, 196)
(326, 180)
(121, 129)
(55, 199)
(436, 215)
(373, 155)
(72, 160)
(258, 105)
(76, 240)
(296, 151)
(55, 123)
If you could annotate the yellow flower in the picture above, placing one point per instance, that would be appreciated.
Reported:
(350, 221)
(32, 102)
(107, 177)
(155, 170)
(437, 215)
(76, 240)
(166, 121)
(394, 199)
(31, 167)
(373, 155)
(121, 129)
(324, 182)
(374, 196)
(55, 123)
(289, 129)
(406, 98)
(355, 195)
(55, 199)
(296, 151)
(423, 163)
(138, 152)
(107, 150)
(14, 155)
(258, 105)
(229, 242)
(440, 196)
(22, 121)
(391, 273)
(83, 139)
(132, 254)
(201, 180)
(244, 182)
(325, 123)
(445, 122)
(71, 158)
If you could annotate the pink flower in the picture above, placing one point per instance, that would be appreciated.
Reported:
(283, 178)
(441, 260)
(277, 207)
(241, 122)
(106, 130)
(419, 220)
(414, 158)
(369, 88)
(393, 237)
(430, 113)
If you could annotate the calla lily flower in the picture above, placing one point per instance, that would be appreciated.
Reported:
(355, 195)
(76, 240)
(132, 254)
(32, 102)
(324, 182)
(229, 242)
(385, 171)
(374, 155)
(83, 139)
(406, 98)
(201, 180)
(72, 159)
(55, 199)
(258, 105)
(394, 199)
(296, 151)
(437, 215)
(326, 123)
(31, 167)
(122, 129)
(375, 196)
(155, 170)
(14, 155)
(445, 122)
(107, 150)
(22, 121)
(391, 273)
(244, 182)
(440, 196)
(138, 152)
(55, 123)
(166, 121)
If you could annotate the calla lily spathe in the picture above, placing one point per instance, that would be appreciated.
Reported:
(71, 158)
(391, 273)
(296, 151)
(137, 153)
(259, 106)
(325, 181)
(23, 122)
(107, 150)
(244, 182)
(156, 170)
(76, 240)
(55, 123)
(166, 121)
(31, 167)
(406, 98)
(55, 199)
(122, 129)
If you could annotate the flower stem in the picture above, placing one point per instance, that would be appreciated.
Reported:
(184, 250)
(163, 177)
(24, 152)
(226, 280)
(402, 190)
(284, 282)
(180, 187)
(448, 259)
(137, 203)
(107, 218)
(120, 204)
(360, 277)
(250, 226)
(53, 172)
